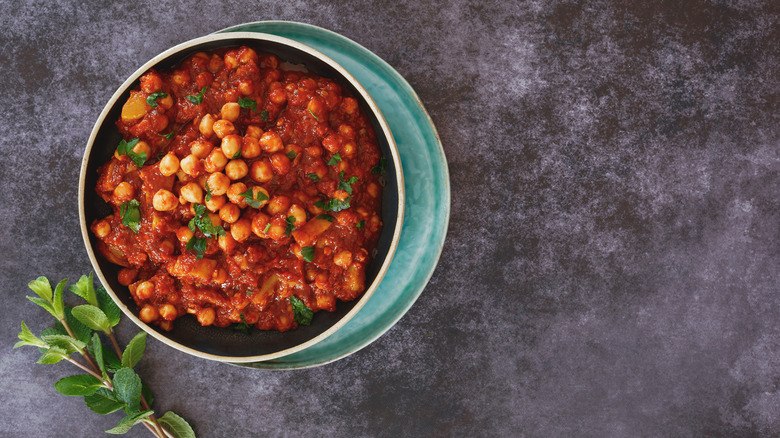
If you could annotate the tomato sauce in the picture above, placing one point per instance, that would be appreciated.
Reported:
(241, 188)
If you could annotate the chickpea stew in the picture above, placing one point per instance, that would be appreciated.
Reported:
(243, 192)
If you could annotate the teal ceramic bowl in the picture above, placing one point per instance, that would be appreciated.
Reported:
(224, 344)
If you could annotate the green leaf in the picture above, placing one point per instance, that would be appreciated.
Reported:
(346, 185)
(291, 155)
(151, 100)
(167, 136)
(242, 326)
(85, 288)
(28, 338)
(82, 332)
(312, 114)
(334, 160)
(289, 227)
(128, 422)
(326, 217)
(198, 99)
(70, 345)
(92, 317)
(45, 304)
(248, 103)
(209, 194)
(177, 426)
(103, 402)
(127, 388)
(126, 148)
(264, 116)
(303, 314)
(147, 394)
(360, 224)
(203, 222)
(113, 364)
(41, 287)
(308, 253)
(80, 385)
(131, 215)
(134, 350)
(198, 246)
(313, 176)
(57, 303)
(267, 227)
(333, 204)
(108, 306)
(252, 199)
(380, 167)
(52, 356)
(95, 349)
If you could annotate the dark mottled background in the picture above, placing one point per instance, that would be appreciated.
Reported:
(611, 268)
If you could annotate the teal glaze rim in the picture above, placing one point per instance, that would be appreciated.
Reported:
(299, 360)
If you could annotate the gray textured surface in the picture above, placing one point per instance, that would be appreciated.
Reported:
(612, 262)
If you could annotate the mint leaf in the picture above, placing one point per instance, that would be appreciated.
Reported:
(128, 422)
(289, 227)
(326, 217)
(308, 253)
(303, 314)
(45, 304)
(264, 116)
(79, 385)
(131, 215)
(103, 402)
(248, 103)
(65, 342)
(197, 99)
(313, 176)
(242, 326)
(52, 356)
(127, 388)
(334, 160)
(41, 287)
(380, 167)
(208, 189)
(57, 304)
(360, 224)
(254, 200)
(151, 100)
(108, 306)
(203, 222)
(134, 350)
(95, 349)
(92, 317)
(346, 185)
(85, 288)
(291, 155)
(167, 136)
(82, 332)
(198, 246)
(28, 338)
(177, 426)
(126, 148)
(113, 364)
(333, 204)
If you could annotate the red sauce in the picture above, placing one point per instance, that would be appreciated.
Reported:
(289, 156)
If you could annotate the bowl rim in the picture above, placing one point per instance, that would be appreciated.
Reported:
(382, 123)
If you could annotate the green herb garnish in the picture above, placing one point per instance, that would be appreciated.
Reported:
(126, 148)
(152, 99)
(360, 224)
(110, 384)
(198, 99)
(291, 155)
(242, 326)
(380, 167)
(313, 176)
(312, 114)
(198, 245)
(326, 217)
(253, 200)
(333, 204)
(130, 212)
(267, 227)
(290, 221)
(264, 115)
(334, 160)
(346, 185)
(236, 155)
(308, 253)
(248, 103)
(303, 314)
(209, 194)
(167, 136)
(203, 222)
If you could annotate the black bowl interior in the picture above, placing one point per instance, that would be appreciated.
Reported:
(227, 342)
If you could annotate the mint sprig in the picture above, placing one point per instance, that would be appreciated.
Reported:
(109, 384)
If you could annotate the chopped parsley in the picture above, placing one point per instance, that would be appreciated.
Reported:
(152, 99)
(203, 222)
(290, 221)
(313, 115)
(198, 245)
(334, 159)
(248, 103)
(198, 99)
(242, 326)
(313, 176)
(267, 227)
(236, 155)
(291, 155)
(303, 314)
(131, 215)
(380, 167)
(254, 200)
(264, 116)
(346, 185)
(326, 217)
(167, 136)
(333, 204)
(360, 224)
(209, 194)
(308, 253)
(126, 148)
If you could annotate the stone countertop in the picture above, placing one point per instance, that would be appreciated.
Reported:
(611, 267)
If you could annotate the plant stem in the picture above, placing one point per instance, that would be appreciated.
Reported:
(83, 367)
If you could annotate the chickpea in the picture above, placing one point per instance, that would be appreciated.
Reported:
(184, 234)
(148, 313)
(127, 276)
(343, 259)
(190, 165)
(281, 163)
(261, 195)
(349, 148)
(349, 105)
(223, 128)
(271, 142)
(373, 190)
(169, 164)
(231, 60)
(206, 316)
(191, 192)
(231, 145)
(168, 312)
(299, 213)
(229, 213)
(214, 218)
(278, 204)
(259, 222)
(216, 161)
(218, 183)
(346, 131)
(254, 131)
(124, 192)
(166, 102)
(278, 96)
(234, 194)
(241, 229)
(143, 147)
(201, 148)
(275, 231)
(166, 246)
(230, 111)
(164, 200)
(215, 203)
(250, 148)
(144, 290)
(101, 229)
(206, 126)
(227, 243)
(262, 171)
(215, 63)
(236, 169)
(314, 151)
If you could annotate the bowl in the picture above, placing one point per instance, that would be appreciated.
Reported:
(226, 344)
